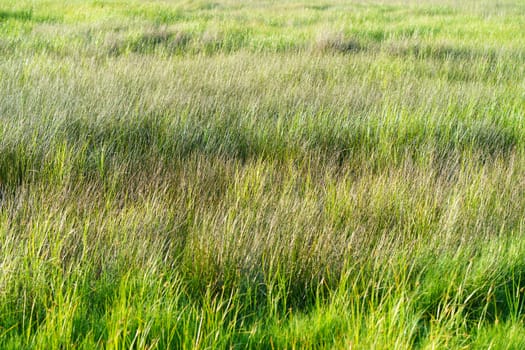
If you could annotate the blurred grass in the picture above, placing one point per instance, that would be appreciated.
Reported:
(262, 174)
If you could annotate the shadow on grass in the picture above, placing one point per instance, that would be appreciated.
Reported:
(146, 140)
(22, 15)
(26, 16)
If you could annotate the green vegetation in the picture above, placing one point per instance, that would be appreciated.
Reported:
(255, 174)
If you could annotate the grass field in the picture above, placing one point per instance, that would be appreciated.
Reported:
(259, 174)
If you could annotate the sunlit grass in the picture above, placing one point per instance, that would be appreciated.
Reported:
(262, 175)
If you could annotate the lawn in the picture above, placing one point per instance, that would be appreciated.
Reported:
(290, 174)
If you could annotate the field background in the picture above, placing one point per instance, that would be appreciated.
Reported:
(259, 174)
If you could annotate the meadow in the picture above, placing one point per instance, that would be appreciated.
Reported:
(290, 174)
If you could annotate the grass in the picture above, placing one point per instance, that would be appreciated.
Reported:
(262, 174)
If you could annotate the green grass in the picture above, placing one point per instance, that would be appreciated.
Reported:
(193, 174)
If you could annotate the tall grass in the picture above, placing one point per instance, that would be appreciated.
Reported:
(262, 175)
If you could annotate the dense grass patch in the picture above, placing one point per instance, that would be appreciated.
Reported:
(262, 175)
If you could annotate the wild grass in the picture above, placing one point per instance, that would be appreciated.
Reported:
(262, 175)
